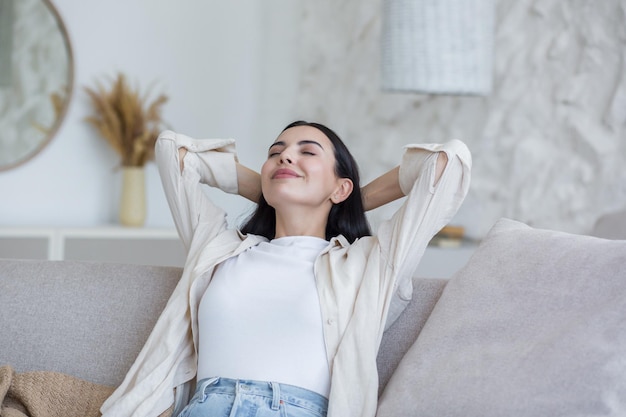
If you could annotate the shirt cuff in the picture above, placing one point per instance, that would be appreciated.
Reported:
(214, 160)
(416, 156)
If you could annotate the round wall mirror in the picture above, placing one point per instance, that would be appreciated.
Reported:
(36, 78)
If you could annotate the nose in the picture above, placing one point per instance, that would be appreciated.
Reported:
(285, 158)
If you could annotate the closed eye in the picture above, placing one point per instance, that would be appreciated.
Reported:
(275, 149)
(305, 148)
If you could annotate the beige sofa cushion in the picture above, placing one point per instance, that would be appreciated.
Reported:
(534, 325)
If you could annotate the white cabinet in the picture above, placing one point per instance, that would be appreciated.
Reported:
(102, 244)
(161, 247)
(443, 262)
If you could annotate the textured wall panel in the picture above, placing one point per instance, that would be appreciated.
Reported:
(549, 143)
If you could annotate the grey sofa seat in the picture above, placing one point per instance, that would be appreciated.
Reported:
(90, 320)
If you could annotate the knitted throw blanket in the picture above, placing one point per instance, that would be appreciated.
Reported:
(50, 394)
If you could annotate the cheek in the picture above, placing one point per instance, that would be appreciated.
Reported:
(265, 169)
(325, 173)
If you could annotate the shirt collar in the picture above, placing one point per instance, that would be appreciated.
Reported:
(340, 241)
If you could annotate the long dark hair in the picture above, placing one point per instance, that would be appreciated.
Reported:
(346, 218)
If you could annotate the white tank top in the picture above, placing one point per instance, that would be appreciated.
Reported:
(260, 317)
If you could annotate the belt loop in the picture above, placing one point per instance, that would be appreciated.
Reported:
(205, 385)
(276, 397)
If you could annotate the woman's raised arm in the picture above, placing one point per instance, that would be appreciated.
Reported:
(382, 190)
(386, 188)
(185, 164)
(249, 183)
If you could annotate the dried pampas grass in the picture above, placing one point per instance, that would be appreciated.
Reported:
(127, 119)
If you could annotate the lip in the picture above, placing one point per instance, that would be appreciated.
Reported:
(285, 173)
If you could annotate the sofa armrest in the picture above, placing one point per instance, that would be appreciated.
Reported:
(399, 337)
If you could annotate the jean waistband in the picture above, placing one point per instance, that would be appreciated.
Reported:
(278, 392)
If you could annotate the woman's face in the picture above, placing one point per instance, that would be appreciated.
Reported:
(300, 169)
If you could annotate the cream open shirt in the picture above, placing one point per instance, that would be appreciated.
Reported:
(361, 285)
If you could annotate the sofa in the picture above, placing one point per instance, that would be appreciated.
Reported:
(533, 325)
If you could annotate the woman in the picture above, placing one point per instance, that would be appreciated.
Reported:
(299, 298)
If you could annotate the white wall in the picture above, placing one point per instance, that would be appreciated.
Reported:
(226, 66)
(548, 144)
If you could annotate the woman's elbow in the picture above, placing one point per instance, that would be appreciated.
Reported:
(440, 165)
(454, 153)
(166, 150)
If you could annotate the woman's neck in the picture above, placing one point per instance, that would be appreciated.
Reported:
(301, 223)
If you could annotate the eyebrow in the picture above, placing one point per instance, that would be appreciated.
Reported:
(302, 142)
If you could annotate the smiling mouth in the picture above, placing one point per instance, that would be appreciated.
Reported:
(285, 173)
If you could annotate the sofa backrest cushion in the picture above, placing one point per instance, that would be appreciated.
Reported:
(611, 225)
(533, 325)
(85, 319)
(90, 320)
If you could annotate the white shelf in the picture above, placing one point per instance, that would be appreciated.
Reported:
(161, 247)
(104, 244)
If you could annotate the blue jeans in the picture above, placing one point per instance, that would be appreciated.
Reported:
(223, 397)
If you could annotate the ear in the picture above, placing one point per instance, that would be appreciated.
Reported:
(343, 191)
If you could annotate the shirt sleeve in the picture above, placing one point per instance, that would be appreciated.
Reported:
(208, 161)
(428, 207)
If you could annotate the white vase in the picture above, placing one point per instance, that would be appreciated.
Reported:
(133, 200)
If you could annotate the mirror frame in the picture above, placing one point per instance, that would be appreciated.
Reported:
(70, 91)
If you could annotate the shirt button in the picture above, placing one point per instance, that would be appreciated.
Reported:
(330, 322)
